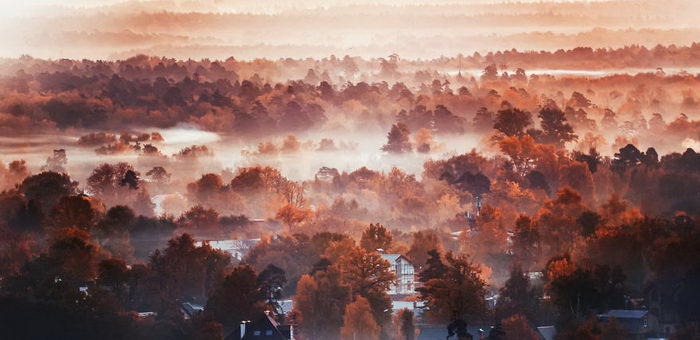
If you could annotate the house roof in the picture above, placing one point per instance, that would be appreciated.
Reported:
(190, 308)
(625, 314)
(267, 323)
(395, 257)
(547, 332)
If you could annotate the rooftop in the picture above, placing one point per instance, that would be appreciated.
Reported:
(625, 313)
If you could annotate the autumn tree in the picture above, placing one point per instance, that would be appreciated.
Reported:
(423, 242)
(556, 130)
(578, 290)
(292, 215)
(483, 120)
(526, 239)
(199, 220)
(159, 174)
(518, 327)
(183, 270)
(556, 221)
(270, 282)
(320, 300)
(434, 267)
(627, 157)
(237, 298)
(375, 237)
(517, 297)
(458, 293)
(358, 322)
(369, 276)
(398, 139)
(47, 188)
(205, 190)
(76, 211)
(114, 273)
(512, 121)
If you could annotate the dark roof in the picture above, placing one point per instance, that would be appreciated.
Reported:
(264, 324)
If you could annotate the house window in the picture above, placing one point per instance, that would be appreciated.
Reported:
(646, 323)
(268, 332)
(256, 333)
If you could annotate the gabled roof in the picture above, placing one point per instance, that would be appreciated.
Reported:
(547, 332)
(267, 322)
(393, 258)
(191, 308)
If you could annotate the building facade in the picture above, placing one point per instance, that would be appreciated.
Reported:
(405, 273)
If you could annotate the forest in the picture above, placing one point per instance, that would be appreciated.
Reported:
(522, 198)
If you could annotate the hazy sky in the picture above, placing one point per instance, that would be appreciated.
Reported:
(109, 29)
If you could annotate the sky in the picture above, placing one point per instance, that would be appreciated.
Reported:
(115, 29)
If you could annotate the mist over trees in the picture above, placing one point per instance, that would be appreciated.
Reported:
(581, 196)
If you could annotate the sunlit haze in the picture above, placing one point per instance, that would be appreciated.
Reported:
(349, 170)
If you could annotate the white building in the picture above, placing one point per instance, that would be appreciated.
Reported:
(405, 274)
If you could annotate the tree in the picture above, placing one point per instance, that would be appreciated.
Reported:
(271, 281)
(612, 330)
(556, 129)
(398, 139)
(517, 327)
(526, 240)
(57, 162)
(358, 322)
(423, 242)
(118, 219)
(205, 189)
(71, 260)
(321, 299)
(477, 185)
(237, 298)
(690, 331)
(375, 237)
(407, 328)
(292, 215)
(446, 122)
(47, 188)
(199, 219)
(577, 291)
(106, 179)
(369, 276)
(130, 179)
(512, 121)
(113, 273)
(627, 157)
(457, 294)
(366, 272)
(434, 267)
(589, 222)
(184, 271)
(483, 120)
(159, 174)
(76, 211)
(516, 296)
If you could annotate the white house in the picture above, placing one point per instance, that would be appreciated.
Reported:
(405, 274)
